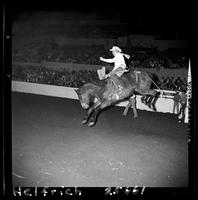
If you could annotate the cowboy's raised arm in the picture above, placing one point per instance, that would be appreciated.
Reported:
(109, 60)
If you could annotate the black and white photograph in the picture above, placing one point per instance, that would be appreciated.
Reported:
(101, 97)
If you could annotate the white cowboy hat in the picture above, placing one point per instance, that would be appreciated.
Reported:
(116, 49)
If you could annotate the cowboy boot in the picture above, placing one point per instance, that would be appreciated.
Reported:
(101, 73)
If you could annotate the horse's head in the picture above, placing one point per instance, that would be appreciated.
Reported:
(87, 94)
(83, 97)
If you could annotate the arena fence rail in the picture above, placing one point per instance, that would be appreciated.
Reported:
(163, 104)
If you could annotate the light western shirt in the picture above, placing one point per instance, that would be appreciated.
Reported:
(118, 61)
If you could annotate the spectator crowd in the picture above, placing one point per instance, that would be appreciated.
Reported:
(76, 79)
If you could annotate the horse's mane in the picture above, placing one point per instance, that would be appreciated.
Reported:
(100, 83)
(94, 85)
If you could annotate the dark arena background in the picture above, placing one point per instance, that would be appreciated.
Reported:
(61, 50)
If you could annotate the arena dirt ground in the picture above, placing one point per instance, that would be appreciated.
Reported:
(50, 147)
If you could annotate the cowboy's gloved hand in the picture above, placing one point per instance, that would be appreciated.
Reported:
(101, 58)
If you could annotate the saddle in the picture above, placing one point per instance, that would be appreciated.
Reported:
(114, 89)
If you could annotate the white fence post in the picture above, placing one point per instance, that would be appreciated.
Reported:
(189, 93)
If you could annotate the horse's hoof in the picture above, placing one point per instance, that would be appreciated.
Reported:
(84, 121)
(91, 124)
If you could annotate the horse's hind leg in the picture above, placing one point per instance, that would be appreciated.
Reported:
(153, 103)
(150, 97)
(127, 108)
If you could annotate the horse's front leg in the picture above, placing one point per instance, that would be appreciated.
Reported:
(151, 98)
(94, 115)
(89, 112)
(86, 117)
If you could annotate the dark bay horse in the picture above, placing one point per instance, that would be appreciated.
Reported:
(96, 96)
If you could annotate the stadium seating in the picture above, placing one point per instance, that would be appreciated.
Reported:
(77, 78)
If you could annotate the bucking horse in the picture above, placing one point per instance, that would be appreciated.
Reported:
(101, 94)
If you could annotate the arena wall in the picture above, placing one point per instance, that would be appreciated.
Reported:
(163, 104)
